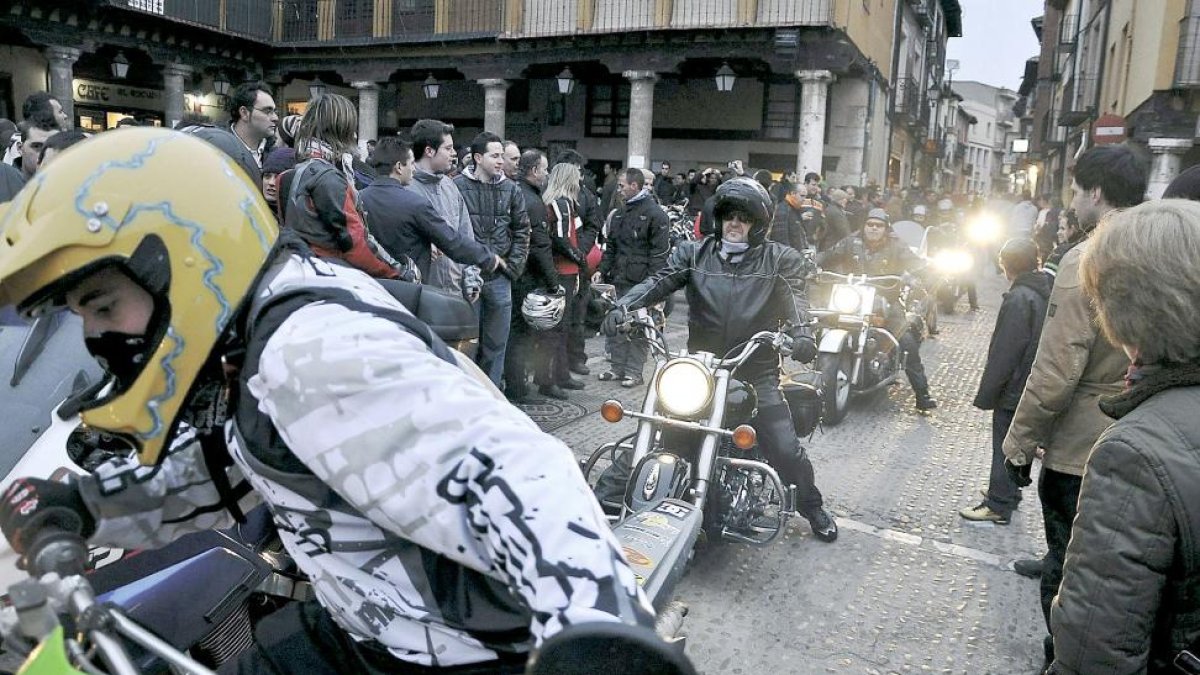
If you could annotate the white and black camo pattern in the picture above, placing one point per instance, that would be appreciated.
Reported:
(433, 457)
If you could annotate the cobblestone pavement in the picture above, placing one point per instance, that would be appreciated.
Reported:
(909, 587)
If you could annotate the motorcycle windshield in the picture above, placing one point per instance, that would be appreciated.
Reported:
(41, 364)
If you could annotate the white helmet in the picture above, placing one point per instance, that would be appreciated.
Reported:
(919, 210)
(544, 309)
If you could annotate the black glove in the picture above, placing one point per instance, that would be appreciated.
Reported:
(30, 504)
(804, 349)
(613, 321)
(1018, 474)
(578, 258)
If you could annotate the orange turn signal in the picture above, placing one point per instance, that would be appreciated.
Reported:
(744, 436)
(612, 411)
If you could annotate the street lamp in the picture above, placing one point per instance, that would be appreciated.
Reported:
(120, 66)
(220, 85)
(725, 78)
(316, 88)
(431, 87)
(566, 81)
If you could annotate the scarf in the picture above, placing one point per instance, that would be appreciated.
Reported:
(318, 149)
(1144, 381)
(733, 251)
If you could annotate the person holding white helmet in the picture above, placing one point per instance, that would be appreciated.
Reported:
(440, 528)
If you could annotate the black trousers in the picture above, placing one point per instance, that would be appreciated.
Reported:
(518, 358)
(577, 333)
(1003, 493)
(1059, 493)
(553, 364)
(910, 344)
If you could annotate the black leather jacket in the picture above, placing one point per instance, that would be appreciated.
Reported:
(730, 302)
(498, 217)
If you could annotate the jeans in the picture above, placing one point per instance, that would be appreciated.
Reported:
(495, 317)
(1003, 493)
(910, 343)
(1059, 493)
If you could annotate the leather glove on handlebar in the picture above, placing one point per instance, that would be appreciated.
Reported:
(1018, 474)
(804, 349)
(32, 503)
(613, 321)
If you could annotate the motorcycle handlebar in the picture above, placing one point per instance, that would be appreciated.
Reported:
(884, 281)
(56, 550)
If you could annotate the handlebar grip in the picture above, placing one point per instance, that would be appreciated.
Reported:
(55, 550)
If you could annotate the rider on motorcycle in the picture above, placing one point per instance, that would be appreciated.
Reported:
(949, 233)
(876, 251)
(439, 527)
(738, 285)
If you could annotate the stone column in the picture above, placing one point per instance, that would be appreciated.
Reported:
(368, 114)
(814, 95)
(174, 89)
(62, 63)
(1168, 158)
(641, 117)
(495, 99)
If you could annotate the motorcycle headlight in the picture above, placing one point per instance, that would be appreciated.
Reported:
(983, 229)
(953, 262)
(684, 387)
(845, 299)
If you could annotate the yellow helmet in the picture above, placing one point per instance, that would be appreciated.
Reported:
(101, 203)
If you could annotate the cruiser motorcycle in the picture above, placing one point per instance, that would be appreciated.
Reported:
(857, 354)
(696, 469)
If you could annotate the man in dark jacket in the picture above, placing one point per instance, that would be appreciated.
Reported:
(500, 222)
(638, 243)
(539, 273)
(1010, 357)
(876, 251)
(664, 184)
(405, 222)
(765, 282)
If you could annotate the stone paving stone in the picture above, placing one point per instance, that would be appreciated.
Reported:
(909, 587)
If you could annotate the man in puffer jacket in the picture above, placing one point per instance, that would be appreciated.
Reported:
(497, 210)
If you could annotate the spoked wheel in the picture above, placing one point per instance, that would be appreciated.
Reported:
(835, 380)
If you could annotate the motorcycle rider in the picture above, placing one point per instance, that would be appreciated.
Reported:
(769, 282)
(439, 527)
(876, 251)
(949, 233)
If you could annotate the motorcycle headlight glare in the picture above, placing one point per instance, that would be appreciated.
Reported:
(983, 229)
(954, 262)
(845, 299)
(684, 387)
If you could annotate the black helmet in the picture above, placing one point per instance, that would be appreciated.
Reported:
(746, 195)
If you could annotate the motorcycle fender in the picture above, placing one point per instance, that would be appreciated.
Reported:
(658, 476)
(832, 340)
(657, 542)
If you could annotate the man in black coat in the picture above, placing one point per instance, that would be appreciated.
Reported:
(406, 223)
(639, 238)
(1010, 358)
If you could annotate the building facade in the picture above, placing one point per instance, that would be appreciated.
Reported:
(988, 166)
(804, 85)
(1118, 71)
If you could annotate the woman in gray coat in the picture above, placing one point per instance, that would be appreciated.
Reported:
(1130, 595)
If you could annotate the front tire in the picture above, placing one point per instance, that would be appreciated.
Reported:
(835, 381)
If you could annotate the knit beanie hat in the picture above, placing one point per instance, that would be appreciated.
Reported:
(288, 127)
(279, 160)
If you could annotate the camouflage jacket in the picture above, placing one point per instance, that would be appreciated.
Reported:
(430, 515)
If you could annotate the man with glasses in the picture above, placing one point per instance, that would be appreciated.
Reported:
(875, 250)
(253, 117)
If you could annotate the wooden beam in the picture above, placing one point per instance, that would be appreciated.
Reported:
(514, 16)
(747, 12)
(222, 8)
(441, 16)
(662, 12)
(326, 12)
(587, 14)
(277, 21)
(382, 23)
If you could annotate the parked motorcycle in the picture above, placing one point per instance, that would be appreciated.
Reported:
(696, 465)
(857, 354)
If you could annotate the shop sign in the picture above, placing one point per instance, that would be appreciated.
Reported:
(112, 95)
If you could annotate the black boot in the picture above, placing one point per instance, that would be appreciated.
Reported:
(915, 370)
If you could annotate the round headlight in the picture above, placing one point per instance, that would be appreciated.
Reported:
(845, 299)
(684, 387)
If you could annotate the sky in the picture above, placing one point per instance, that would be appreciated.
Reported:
(997, 40)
